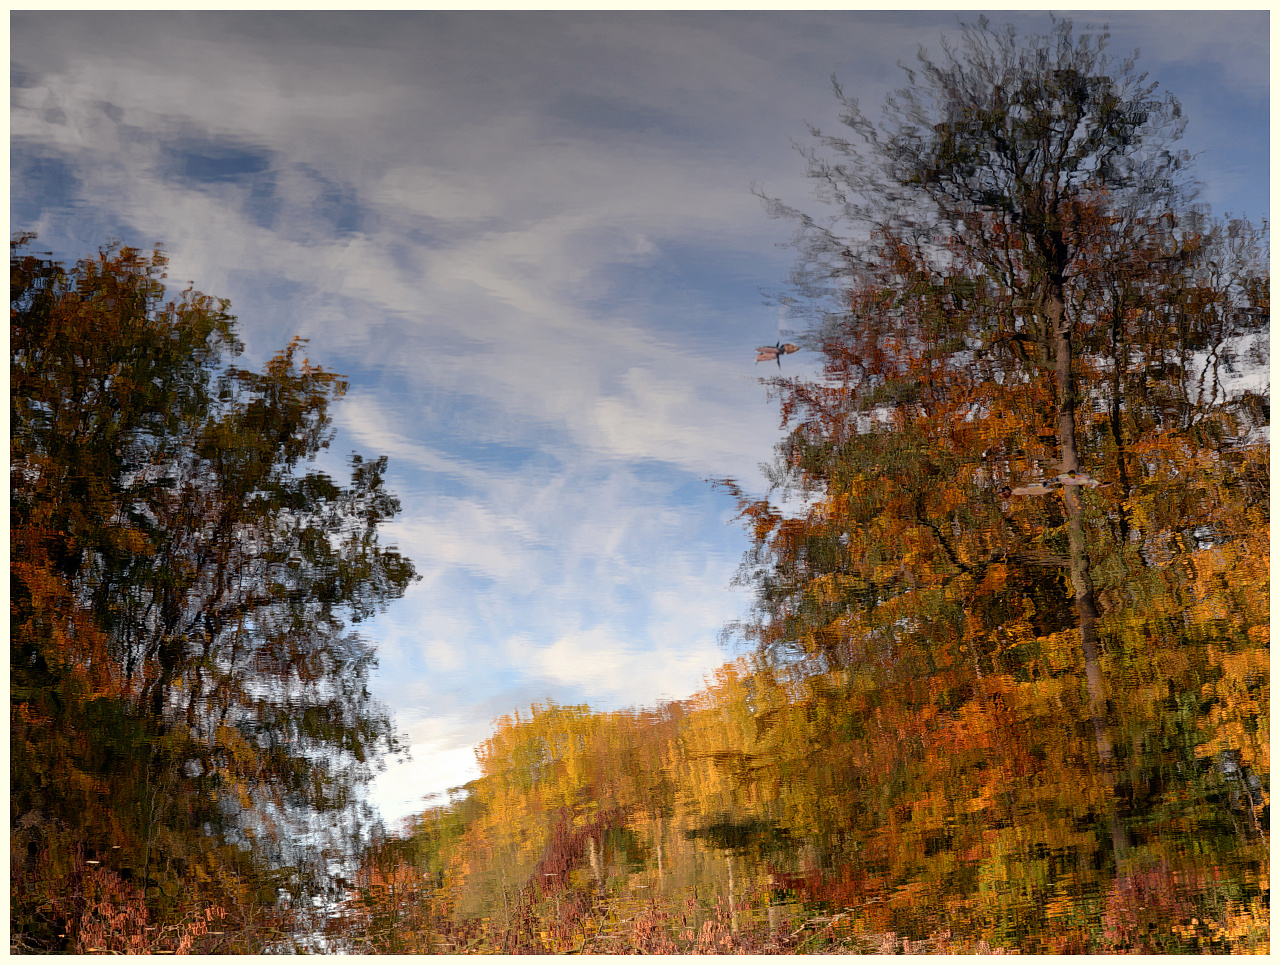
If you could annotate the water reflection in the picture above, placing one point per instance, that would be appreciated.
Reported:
(788, 809)
(940, 747)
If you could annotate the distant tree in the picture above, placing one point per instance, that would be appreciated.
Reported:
(182, 678)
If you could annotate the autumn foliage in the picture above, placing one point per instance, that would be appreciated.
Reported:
(1009, 676)
(183, 691)
(1006, 676)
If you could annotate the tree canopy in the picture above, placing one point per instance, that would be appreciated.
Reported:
(1024, 455)
(183, 680)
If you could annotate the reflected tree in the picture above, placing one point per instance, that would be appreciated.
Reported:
(1011, 286)
(182, 679)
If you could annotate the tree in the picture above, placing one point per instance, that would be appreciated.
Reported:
(1013, 287)
(179, 584)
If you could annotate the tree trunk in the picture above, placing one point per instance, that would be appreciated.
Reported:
(1081, 580)
(659, 850)
(733, 902)
(597, 869)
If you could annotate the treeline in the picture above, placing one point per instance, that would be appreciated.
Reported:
(185, 696)
(1010, 673)
(778, 813)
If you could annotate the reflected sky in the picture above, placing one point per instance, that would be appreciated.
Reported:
(530, 241)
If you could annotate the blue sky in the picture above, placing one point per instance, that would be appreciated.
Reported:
(530, 242)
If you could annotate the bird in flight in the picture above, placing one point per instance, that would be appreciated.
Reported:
(774, 353)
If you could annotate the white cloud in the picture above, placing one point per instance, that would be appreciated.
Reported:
(375, 425)
(590, 658)
(408, 787)
(424, 192)
(667, 418)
